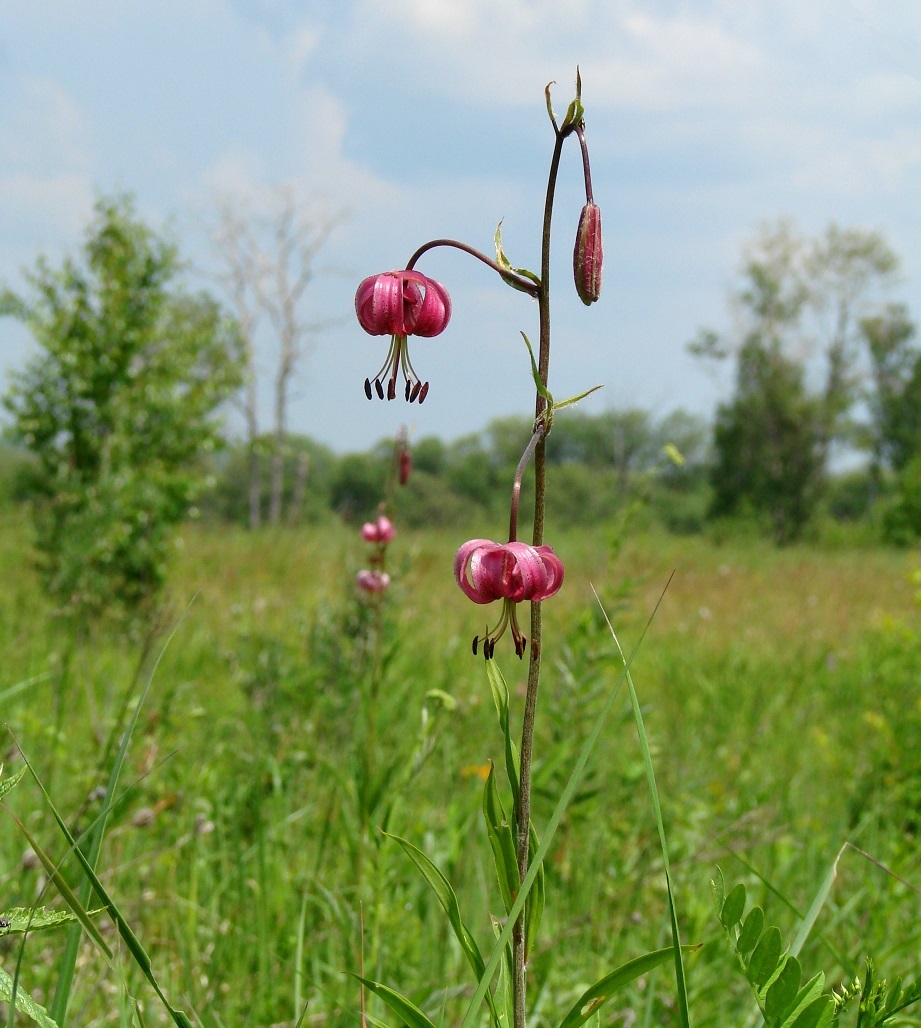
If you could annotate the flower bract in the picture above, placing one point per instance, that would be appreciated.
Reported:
(400, 304)
(512, 572)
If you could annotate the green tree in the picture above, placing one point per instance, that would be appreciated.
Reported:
(117, 406)
(768, 443)
(893, 434)
(798, 307)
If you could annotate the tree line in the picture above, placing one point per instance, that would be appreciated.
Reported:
(119, 409)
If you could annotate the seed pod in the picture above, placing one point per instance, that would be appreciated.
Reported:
(588, 254)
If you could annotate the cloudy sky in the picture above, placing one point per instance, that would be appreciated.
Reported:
(417, 119)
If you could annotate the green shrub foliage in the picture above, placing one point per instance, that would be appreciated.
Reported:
(117, 406)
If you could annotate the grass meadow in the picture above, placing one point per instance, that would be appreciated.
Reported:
(780, 691)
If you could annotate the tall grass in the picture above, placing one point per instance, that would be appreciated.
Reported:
(779, 694)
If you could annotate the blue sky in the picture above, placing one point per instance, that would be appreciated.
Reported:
(425, 118)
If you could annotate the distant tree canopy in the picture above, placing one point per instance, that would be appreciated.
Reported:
(600, 461)
(822, 365)
(117, 407)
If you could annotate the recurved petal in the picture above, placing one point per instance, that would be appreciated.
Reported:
(469, 573)
(435, 312)
(535, 572)
(553, 571)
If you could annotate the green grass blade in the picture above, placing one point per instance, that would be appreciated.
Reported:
(14, 690)
(605, 988)
(411, 1014)
(568, 792)
(68, 895)
(448, 900)
(87, 863)
(815, 908)
(654, 794)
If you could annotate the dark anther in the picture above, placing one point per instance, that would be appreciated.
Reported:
(368, 389)
(406, 390)
(423, 392)
(417, 388)
(379, 388)
(391, 389)
(476, 640)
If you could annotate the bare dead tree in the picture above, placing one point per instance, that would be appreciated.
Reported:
(237, 247)
(269, 262)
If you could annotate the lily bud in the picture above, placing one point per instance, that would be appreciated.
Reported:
(588, 255)
(406, 464)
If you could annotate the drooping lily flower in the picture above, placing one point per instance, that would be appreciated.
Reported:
(512, 572)
(380, 531)
(400, 304)
(372, 581)
(588, 254)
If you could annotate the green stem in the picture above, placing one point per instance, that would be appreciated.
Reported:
(530, 705)
(516, 485)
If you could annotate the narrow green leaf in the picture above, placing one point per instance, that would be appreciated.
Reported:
(535, 374)
(502, 841)
(599, 993)
(766, 957)
(63, 888)
(534, 908)
(510, 275)
(24, 1002)
(681, 986)
(569, 401)
(815, 907)
(731, 913)
(500, 695)
(400, 1005)
(124, 929)
(783, 990)
(448, 900)
(11, 782)
(752, 927)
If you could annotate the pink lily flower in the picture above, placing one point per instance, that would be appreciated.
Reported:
(380, 531)
(513, 572)
(372, 581)
(400, 304)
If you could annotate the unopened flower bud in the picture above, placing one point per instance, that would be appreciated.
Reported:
(588, 254)
(406, 464)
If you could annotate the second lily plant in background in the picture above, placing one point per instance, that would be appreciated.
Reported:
(403, 303)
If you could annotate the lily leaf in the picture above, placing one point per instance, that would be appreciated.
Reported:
(511, 275)
(502, 841)
(448, 900)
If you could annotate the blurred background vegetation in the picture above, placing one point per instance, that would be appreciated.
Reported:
(779, 681)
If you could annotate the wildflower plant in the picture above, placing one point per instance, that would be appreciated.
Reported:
(403, 303)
